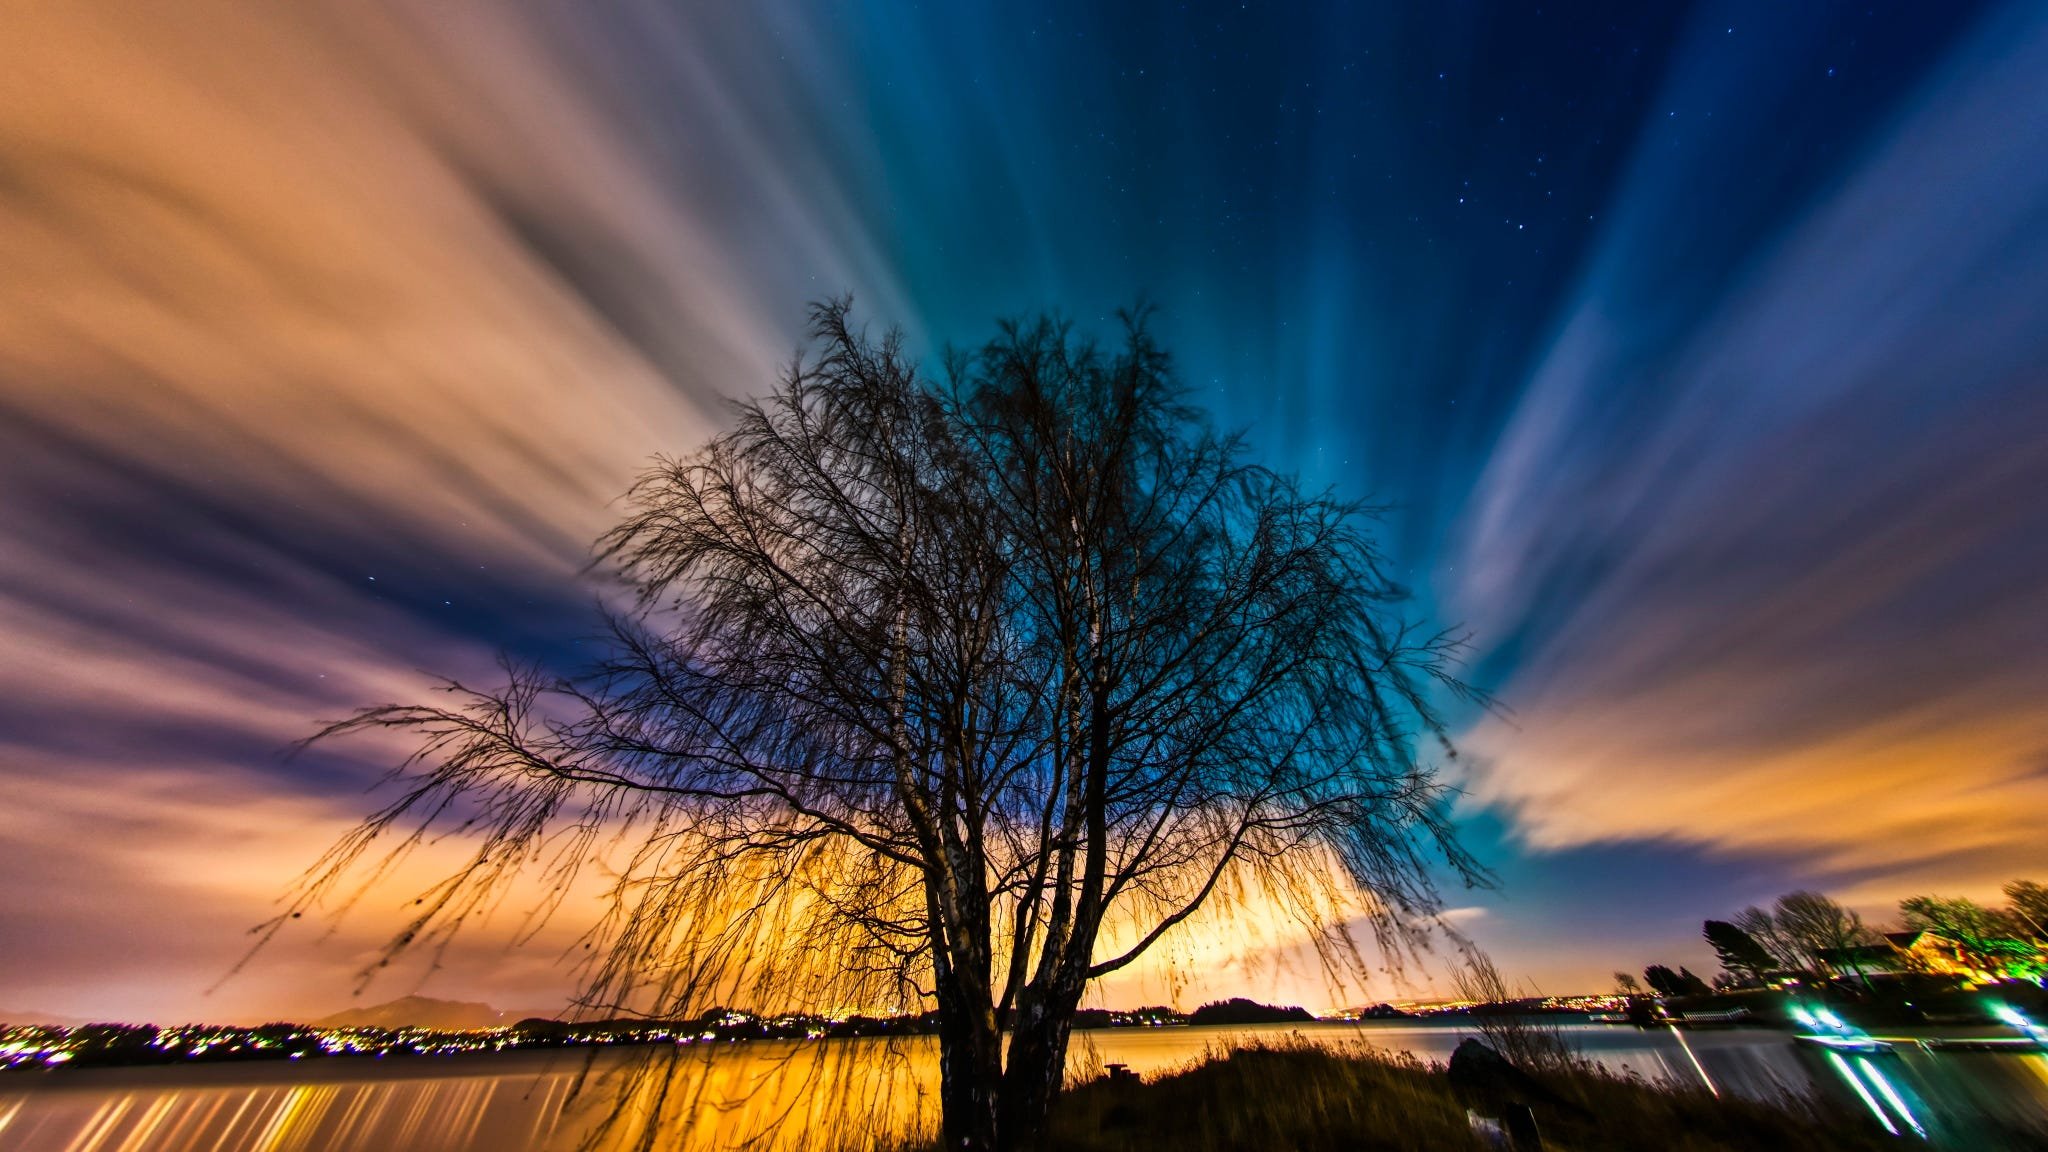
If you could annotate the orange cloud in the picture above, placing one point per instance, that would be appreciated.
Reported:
(297, 298)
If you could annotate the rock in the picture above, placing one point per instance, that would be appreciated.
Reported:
(1480, 1071)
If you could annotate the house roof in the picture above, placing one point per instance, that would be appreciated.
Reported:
(1858, 952)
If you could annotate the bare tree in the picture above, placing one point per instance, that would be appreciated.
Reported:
(1815, 926)
(959, 695)
(1763, 928)
(2030, 905)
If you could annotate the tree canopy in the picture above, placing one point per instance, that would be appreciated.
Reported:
(1987, 939)
(2030, 907)
(1738, 951)
(1664, 982)
(1802, 928)
(958, 694)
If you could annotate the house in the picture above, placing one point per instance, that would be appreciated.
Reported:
(1909, 951)
(1880, 958)
(1926, 952)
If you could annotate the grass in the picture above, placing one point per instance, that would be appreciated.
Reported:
(1309, 1098)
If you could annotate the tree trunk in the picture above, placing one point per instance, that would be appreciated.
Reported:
(970, 1074)
(970, 1037)
(1037, 1066)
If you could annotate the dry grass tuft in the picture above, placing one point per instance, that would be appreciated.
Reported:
(1309, 1098)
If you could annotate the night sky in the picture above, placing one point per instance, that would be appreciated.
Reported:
(1699, 355)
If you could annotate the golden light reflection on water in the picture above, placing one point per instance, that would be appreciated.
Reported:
(783, 1096)
(458, 1113)
(770, 1096)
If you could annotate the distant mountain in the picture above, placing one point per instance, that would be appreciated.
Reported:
(420, 1012)
(39, 1020)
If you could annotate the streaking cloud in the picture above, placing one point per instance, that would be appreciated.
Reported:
(1771, 570)
(327, 336)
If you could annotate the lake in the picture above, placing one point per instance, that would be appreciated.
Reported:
(715, 1094)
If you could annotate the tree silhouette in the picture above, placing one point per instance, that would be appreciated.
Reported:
(956, 695)
(1663, 981)
(1816, 926)
(1761, 926)
(2030, 907)
(1738, 951)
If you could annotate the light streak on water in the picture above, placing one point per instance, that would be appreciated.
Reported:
(1697, 1066)
(1890, 1094)
(1869, 1101)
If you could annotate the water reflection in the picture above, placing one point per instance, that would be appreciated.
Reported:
(394, 1112)
(784, 1096)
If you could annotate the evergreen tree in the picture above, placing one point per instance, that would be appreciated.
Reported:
(1663, 981)
(1740, 954)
